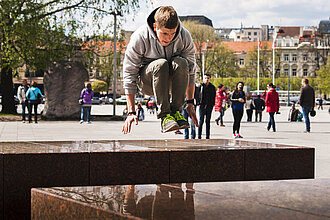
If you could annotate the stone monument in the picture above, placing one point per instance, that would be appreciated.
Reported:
(63, 83)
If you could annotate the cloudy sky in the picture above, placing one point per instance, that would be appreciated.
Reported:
(231, 13)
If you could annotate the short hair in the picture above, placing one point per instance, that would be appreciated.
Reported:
(220, 86)
(207, 75)
(34, 84)
(306, 81)
(89, 85)
(166, 17)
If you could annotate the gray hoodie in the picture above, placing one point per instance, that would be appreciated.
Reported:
(144, 47)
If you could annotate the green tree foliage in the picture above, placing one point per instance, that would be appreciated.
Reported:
(265, 64)
(324, 78)
(201, 34)
(37, 32)
(101, 59)
(99, 86)
(220, 62)
(282, 82)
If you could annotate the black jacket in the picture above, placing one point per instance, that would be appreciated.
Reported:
(307, 96)
(259, 104)
(206, 94)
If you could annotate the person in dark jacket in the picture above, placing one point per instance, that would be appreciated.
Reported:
(207, 101)
(273, 104)
(307, 101)
(259, 105)
(238, 99)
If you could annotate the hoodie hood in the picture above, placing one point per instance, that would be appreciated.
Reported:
(151, 21)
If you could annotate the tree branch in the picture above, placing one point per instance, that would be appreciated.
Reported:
(59, 10)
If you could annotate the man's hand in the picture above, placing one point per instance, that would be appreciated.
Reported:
(191, 111)
(128, 123)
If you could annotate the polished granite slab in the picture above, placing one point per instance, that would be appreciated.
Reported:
(134, 145)
(84, 163)
(285, 199)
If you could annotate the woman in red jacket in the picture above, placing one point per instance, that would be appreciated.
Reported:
(273, 104)
(220, 102)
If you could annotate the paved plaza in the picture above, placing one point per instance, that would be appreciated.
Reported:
(287, 132)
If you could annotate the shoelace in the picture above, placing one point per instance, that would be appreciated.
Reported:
(168, 118)
(178, 116)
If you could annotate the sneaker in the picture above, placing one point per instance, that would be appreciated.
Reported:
(178, 132)
(89, 122)
(81, 121)
(239, 136)
(236, 136)
(222, 125)
(217, 121)
(23, 121)
(182, 122)
(169, 124)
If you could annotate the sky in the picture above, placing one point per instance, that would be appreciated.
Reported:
(231, 13)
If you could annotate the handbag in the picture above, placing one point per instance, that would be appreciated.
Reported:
(313, 113)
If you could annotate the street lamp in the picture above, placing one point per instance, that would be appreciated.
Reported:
(289, 70)
(114, 96)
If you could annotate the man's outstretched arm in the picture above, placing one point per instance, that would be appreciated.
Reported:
(130, 117)
(190, 107)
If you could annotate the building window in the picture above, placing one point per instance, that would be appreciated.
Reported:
(249, 33)
(305, 72)
(294, 57)
(255, 39)
(294, 72)
(286, 71)
(255, 33)
(287, 44)
(238, 37)
(305, 57)
(286, 57)
(241, 62)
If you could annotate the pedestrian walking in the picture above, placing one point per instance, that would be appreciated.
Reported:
(207, 101)
(140, 112)
(220, 104)
(307, 101)
(21, 95)
(190, 121)
(320, 104)
(86, 95)
(259, 105)
(249, 106)
(34, 95)
(161, 54)
(273, 104)
(237, 99)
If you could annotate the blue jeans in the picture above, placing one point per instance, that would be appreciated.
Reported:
(271, 122)
(306, 110)
(204, 110)
(192, 126)
(86, 109)
(24, 106)
(221, 114)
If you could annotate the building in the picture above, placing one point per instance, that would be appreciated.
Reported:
(298, 51)
(200, 18)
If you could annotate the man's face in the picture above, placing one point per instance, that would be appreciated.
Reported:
(24, 83)
(206, 80)
(302, 82)
(164, 35)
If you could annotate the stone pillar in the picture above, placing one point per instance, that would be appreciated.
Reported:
(63, 83)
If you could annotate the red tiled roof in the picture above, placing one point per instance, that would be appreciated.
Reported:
(289, 31)
(245, 47)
